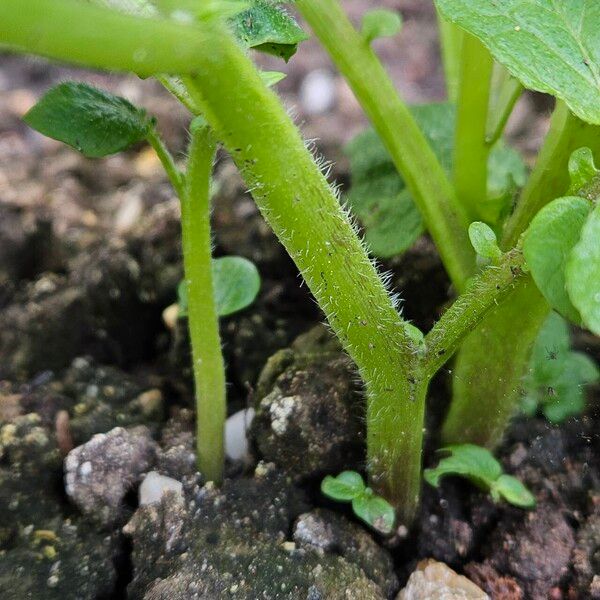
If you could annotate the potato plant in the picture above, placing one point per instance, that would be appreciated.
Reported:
(514, 244)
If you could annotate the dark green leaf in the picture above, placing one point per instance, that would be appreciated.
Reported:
(90, 120)
(236, 283)
(380, 200)
(484, 240)
(473, 462)
(379, 23)
(268, 28)
(549, 45)
(513, 491)
(375, 511)
(343, 488)
(548, 242)
(583, 272)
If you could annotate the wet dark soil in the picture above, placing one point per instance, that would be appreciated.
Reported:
(89, 260)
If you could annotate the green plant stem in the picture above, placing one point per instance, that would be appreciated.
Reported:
(412, 155)
(451, 40)
(493, 359)
(486, 291)
(83, 33)
(550, 177)
(506, 90)
(203, 321)
(174, 174)
(471, 150)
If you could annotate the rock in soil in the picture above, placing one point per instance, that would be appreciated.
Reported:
(308, 411)
(434, 580)
(586, 556)
(100, 473)
(155, 486)
(232, 543)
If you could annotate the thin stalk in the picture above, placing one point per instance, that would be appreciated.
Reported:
(173, 173)
(471, 150)
(415, 160)
(485, 292)
(451, 40)
(550, 177)
(203, 321)
(506, 90)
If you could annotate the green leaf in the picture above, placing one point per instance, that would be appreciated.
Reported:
(271, 78)
(548, 243)
(236, 283)
(378, 195)
(549, 45)
(90, 120)
(473, 462)
(484, 240)
(513, 491)
(557, 375)
(268, 28)
(583, 272)
(581, 169)
(375, 511)
(379, 23)
(343, 488)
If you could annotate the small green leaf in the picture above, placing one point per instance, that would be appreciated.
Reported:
(375, 511)
(468, 460)
(271, 78)
(513, 491)
(551, 46)
(581, 169)
(236, 283)
(557, 375)
(268, 28)
(379, 23)
(548, 242)
(583, 272)
(90, 120)
(484, 240)
(343, 488)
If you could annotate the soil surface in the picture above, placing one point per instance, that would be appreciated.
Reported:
(96, 418)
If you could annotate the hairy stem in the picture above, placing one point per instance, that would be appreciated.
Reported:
(485, 292)
(471, 150)
(451, 40)
(415, 160)
(173, 173)
(203, 321)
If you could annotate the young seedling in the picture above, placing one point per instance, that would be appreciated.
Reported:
(442, 168)
(374, 510)
(557, 375)
(479, 466)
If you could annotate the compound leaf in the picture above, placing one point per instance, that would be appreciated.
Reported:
(90, 120)
(548, 242)
(551, 46)
(583, 272)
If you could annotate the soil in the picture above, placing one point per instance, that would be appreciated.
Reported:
(95, 389)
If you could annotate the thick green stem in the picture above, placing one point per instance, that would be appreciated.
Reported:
(492, 361)
(550, 177)
(203, 321)
(451, 40)
(412, 155)
(485, 292)
(471, 150)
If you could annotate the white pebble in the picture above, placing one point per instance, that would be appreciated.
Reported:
(236, 435)
(154, 487)
(317, 92)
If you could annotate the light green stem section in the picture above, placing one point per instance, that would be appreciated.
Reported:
(451, 40)
(203, 321)
(471, 150)
(174, 174)
(506, 90)
(415, 160)
(491, 363)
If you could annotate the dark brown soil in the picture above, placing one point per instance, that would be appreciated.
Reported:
(90, 258)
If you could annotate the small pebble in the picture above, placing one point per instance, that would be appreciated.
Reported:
(154, 486)
(237, 447)
(317, 92)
